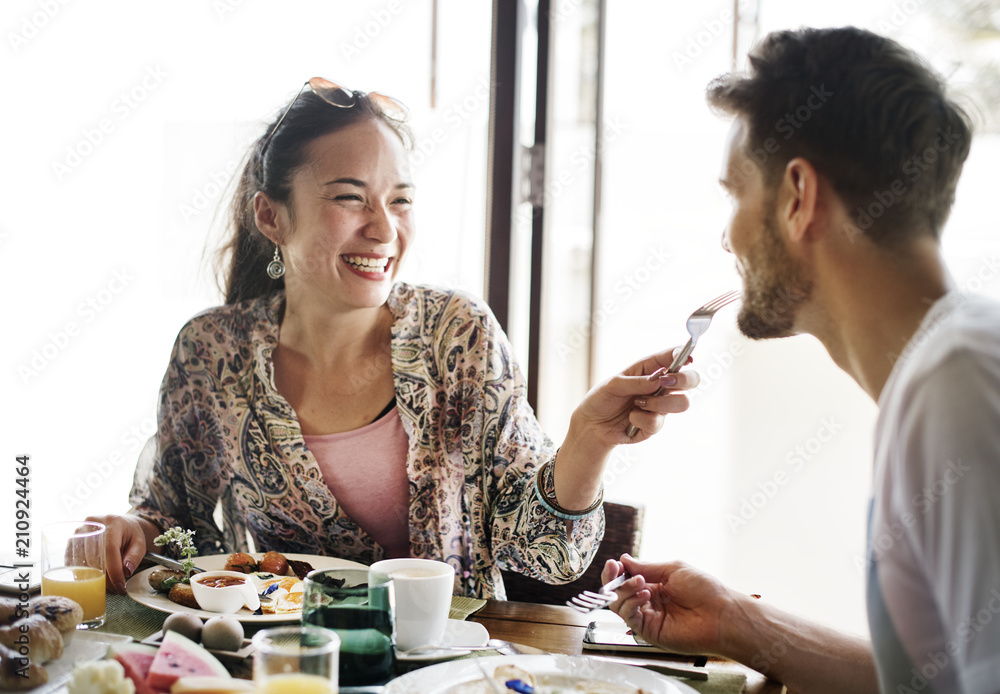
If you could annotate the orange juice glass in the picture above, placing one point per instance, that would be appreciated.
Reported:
(295, 660)
(73, 567)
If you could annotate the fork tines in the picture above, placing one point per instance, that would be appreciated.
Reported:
(588, 600)
(720, 301)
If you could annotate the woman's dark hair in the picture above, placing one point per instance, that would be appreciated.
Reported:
(866, 113)
(243, 259)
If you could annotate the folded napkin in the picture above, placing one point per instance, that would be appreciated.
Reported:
(462, 608)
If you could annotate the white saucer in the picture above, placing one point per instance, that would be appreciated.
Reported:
(456, 633)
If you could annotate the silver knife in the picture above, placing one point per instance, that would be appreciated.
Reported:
(168, 562)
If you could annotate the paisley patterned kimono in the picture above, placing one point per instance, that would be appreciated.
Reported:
(227, 438)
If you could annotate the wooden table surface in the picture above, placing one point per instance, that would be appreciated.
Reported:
(560, 630)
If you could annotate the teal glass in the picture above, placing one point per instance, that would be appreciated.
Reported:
(361, 614)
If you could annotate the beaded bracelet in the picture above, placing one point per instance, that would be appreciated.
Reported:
(553, 507)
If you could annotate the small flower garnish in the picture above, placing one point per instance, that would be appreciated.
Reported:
(185, 547)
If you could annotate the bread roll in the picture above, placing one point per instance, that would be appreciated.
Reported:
(11, 663)
(43, 640)
(8, 610)
(182, 594)
(63, 613)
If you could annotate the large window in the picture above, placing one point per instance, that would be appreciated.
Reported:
(765, 481)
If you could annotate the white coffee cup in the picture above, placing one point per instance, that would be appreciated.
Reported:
(423, 589)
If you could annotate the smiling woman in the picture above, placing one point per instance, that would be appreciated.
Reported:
(330, 409)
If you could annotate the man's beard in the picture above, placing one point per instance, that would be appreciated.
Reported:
(774, 287)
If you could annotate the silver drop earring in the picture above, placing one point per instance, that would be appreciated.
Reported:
(276, 268)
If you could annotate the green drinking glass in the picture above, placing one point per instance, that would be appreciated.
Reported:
(362, 615)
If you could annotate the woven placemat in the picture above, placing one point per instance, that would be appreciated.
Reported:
(126, 616)
(462, 608)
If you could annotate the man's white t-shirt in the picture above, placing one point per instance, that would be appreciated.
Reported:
(934, 531)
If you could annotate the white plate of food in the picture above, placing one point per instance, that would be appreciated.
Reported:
(138, 587)
(457, 635)
(548, 673)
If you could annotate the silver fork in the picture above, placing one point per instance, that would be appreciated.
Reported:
(588, 600)
(697, 324)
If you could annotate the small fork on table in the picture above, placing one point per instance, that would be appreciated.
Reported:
(697, 324)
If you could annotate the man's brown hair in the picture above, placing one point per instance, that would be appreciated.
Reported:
(867, 113)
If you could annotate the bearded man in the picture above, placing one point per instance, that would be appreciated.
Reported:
(842, 164)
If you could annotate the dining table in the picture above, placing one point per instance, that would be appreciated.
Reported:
(554, 629)
(560, 629)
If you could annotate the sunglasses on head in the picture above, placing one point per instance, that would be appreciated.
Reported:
(341, 97)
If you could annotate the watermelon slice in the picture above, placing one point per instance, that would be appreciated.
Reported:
(179, 657)
(136, 658)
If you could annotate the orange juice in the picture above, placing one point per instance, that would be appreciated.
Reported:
(297, 683)
(81, 584)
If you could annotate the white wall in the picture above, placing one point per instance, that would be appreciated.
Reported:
(123, 122)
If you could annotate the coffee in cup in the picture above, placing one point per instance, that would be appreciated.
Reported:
(423, 589)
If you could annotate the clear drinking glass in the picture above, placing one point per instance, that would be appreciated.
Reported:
(73, 567)
(295, 660)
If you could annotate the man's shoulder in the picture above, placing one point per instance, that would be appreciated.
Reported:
(965, 328)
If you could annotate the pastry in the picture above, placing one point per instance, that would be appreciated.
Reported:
(62, 612)
(11, 664)
(273, 562)
(242, 562)
(8, 610)
(43, 640)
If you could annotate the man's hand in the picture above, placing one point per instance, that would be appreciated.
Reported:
(672, 605)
